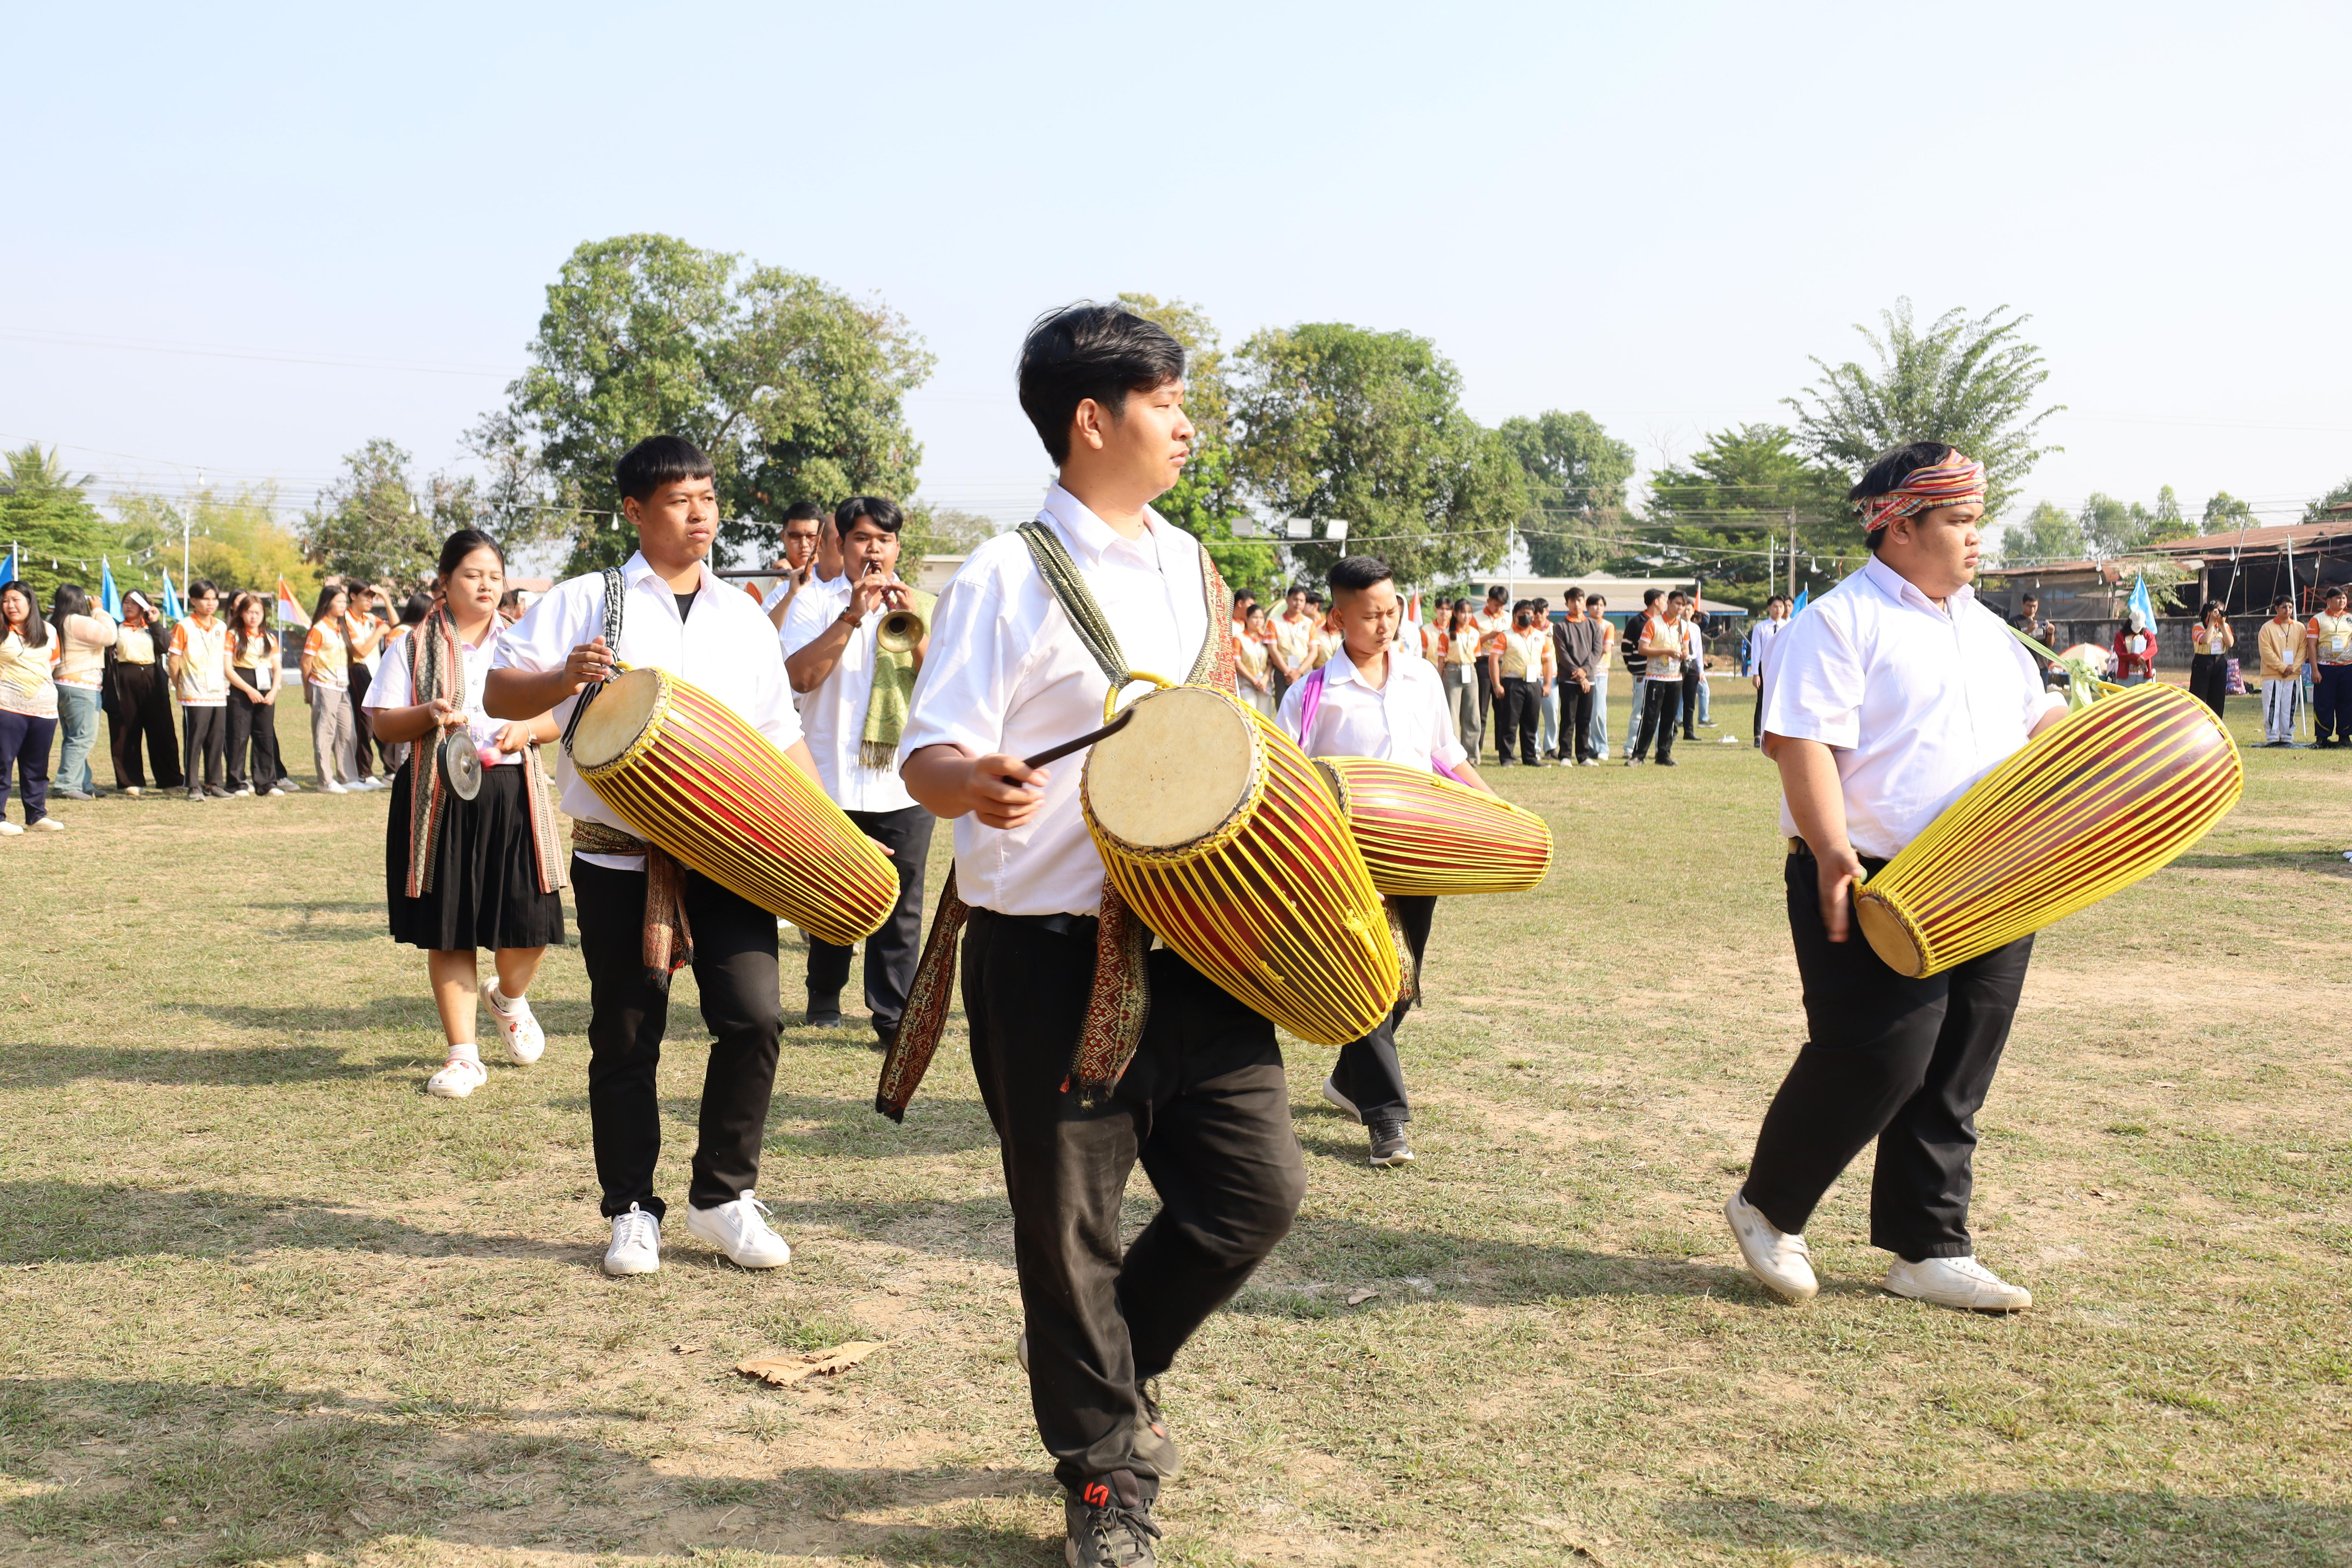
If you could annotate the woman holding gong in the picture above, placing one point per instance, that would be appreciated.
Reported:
(471, 855)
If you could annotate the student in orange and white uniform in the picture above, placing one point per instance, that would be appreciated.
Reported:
(199, 666)
(28, 704)
(327, 679)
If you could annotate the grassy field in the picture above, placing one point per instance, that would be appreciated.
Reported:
(260, 1300)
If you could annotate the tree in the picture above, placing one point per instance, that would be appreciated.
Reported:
(43, 510)
(2050, 533)
(1576, 474)
(235, 541)
(375, 526)
(2111, 528)
(1341, 423)
(1731, 512)
(942, 531)
(1207, 502)
(2166, 523)
(793, 388)
(1966, 383)
(2226, 511)
(2314, 511)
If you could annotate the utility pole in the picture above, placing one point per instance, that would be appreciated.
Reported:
(188, 519)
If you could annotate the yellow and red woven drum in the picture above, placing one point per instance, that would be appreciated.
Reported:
(690, 777)
(2102, 799)
(1421, 834)
(1222, 838)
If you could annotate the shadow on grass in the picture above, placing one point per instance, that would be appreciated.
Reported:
(2154, 1530)
(31, 1064)
(176, 1474)
(2327, 860)
(79, 1221)
(559, 1019)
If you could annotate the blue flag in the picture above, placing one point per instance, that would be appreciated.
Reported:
(2139, 601)
(171, 611)
(109, 597)
(8, 567)
(1803, 595)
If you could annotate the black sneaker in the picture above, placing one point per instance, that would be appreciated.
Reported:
(884, 1039)
(823, 1014)
(1109, 1524)
(1388, 1145)
(1153, 1443)
(216, 791)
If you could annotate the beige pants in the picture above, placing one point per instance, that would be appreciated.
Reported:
(332, 736)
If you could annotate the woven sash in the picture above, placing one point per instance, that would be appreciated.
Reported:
(1121, 996)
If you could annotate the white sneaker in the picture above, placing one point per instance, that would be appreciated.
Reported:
(331, 787)
(1961, 1282)
(48, 825)
(276, 792)
(1331, 1095)
(9, 829)
(636, 1243)
(131, 790)
(459, 1077)
(739, 1230)
(240, 791)
(525, 1038)
(1781, 1262)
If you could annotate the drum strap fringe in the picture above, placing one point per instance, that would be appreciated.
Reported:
(668, 939)
(1408, 966)
(1121, 997)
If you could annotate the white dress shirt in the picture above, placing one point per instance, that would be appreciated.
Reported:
(1006, 672)
(833, 710)
(726, 647)
(1918, 703)
(390, 689)
(1403, 722)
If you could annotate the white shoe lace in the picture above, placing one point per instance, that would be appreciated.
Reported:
(747, 1224)
(632, 1230)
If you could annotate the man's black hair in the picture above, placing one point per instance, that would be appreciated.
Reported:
(659, 460)
(2282, 602)
(1651, 596)
(1356, 573)
(1315, 598)
(2029, 597)
(1089, 351)
(803, 512)
(883, 513)
(1297, 588)
(1497, 591)
(1572, 596)
(1888, 470)
(2335, 593)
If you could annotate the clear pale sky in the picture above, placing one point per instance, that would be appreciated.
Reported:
(1652, 213)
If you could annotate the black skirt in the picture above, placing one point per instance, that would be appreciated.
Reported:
(485, 890)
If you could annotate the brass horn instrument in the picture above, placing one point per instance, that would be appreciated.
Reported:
(902, 630)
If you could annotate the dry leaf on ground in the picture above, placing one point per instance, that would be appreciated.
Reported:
(783, 1370)
(1357, 1297)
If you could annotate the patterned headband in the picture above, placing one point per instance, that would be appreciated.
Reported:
(1952, 482)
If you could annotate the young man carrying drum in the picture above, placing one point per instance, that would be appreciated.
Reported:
(1367, 703)
(1017, 664)
(642, 915)
(1894, 693)
(854, 685)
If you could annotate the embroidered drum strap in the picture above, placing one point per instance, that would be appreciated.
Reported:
(1121, 997)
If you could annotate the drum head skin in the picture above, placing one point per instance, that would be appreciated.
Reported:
(617, 717)
(461, 765)
(1888, 936)
(1178, 771)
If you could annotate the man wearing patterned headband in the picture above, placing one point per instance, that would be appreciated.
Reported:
(1893, 694)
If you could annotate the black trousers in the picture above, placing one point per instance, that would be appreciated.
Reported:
(253, 727)
(143, 709)
(363, 740)
(735, 969)
(1575, 722)
(1488, 700)
(1691, 679)
(1661, 705)
(1368, 1072)
(1203, 1105)
(1905, 1061)
(2209, 680)
(206, 739)
(891, 951)
(1522, 714)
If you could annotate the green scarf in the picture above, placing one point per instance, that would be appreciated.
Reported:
(893, 684)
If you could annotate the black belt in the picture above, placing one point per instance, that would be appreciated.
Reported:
(1081, 926)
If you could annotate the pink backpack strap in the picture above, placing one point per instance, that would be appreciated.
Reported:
(1310, 701)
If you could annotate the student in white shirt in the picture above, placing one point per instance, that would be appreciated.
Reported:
(1080, 1087)
(641, 914)
(1368, 702)
(1663, 647)
(1895, 694)
(1760, 650)
(804, 521)
(854, 706)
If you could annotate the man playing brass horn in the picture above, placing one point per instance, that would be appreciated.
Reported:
(854, 658)
(1888, 698)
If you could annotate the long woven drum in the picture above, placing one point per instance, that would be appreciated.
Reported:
(1421, 834)
(2114, 792)
(687, 773)
(1220, 835)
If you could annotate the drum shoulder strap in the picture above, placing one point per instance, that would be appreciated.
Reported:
(1078, 601)
(615, 605)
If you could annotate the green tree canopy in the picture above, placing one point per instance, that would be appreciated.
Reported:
(2049, 534)
(1207, 502)
(235, 541)
(1343, 423)
(1735, 511)
(1967, 383)
(793, 388)
(2225, 511)
(938, 530)
(59, 535)
(2314, 511)
(1576, 474)
(374, 524)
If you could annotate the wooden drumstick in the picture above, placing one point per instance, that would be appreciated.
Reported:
(1056, 753)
